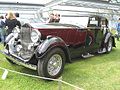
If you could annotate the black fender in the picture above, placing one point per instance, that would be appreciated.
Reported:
(107, 36)
(49, 44)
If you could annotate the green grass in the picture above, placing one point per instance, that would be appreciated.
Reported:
(101, 72)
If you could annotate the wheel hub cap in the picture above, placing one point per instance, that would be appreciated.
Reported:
(54, 64)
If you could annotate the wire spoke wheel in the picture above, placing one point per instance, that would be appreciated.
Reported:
(109, 47)
(54, 64)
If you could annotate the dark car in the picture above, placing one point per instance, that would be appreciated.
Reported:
(46, 47)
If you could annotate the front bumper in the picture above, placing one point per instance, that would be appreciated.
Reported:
(18, 60)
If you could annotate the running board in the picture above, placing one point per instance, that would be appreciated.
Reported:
(87, 55)
(18, 61)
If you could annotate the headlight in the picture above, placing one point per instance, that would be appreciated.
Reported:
(18, 48)
(35, 35)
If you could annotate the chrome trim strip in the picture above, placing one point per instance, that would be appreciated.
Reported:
(19, 58)
(18, 61)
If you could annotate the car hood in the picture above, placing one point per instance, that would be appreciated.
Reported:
(52, 25)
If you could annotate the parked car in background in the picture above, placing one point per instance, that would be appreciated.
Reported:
(46, 47)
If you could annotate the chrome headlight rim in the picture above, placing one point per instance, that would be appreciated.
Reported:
(35, 35)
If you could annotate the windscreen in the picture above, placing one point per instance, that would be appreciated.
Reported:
(81, 22)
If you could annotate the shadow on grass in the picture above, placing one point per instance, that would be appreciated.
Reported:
(99, 58)
(29, 71)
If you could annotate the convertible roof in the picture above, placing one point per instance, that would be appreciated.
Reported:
(52, 25)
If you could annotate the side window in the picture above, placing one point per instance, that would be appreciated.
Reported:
(104, 25)
(93, 22)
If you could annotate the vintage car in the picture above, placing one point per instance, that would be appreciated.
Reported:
(46, 47)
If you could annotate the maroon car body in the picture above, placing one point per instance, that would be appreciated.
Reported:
(46, 47)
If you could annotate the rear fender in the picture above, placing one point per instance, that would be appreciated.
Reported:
(107, 36)
(51, 43)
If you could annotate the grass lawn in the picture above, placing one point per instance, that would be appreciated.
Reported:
(101, 72)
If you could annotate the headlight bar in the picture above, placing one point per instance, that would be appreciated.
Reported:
(35, 35)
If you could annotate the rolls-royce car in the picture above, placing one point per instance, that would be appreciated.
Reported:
(46, 47)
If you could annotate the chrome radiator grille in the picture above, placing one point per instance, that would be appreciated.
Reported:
(25, 37)
(25, 34)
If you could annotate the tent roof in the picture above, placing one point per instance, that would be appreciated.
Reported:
(27, 1)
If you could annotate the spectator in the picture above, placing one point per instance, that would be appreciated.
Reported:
(118, 29)
(57, 18)
(17, 17)
(11, 22)
(2, 30)
(54, 18)
(104, 25)
(51, 18)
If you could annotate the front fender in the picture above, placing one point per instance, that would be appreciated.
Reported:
(9, 37)
(51, 43)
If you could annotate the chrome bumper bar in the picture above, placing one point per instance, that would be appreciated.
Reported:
(18, 61)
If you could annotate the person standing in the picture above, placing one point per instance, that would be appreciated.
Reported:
(118, 29)
(51, 18)
(2, 30)
(54, 18)
(57, 18)
(11, 22)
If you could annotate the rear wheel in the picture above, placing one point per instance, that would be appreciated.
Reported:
(52, 64)
(109, 45)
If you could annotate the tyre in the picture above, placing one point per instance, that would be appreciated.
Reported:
(52, 64)
(10, 61)
(109, 45)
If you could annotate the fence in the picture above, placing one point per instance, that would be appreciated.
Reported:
(60, 81)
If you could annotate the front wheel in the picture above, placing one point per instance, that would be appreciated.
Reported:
(52, 64)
